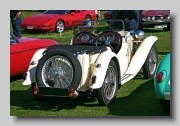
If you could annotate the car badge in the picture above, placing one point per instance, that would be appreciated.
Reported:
(33, 63)
(98, 65)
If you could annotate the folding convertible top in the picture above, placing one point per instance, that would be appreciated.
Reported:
(78, 48)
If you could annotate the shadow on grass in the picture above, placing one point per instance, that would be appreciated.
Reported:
(163, 53)
(139, 76)
(16, 77)
(140, 102)
(34, 32)
(152, 30)
(23, 100)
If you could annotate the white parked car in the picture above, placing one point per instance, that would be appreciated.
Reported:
(99, 59)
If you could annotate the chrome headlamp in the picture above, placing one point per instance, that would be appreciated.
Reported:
(148, 18)
(139, 34)
(168, 17)
(153, 18)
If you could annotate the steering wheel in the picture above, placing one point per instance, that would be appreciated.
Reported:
(105, 41)
(108, 38)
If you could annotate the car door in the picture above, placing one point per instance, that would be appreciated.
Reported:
(18, 55)
(76, 15)
(80, 15)
(123, 57)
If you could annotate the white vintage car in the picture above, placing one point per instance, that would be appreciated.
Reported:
(99, 59)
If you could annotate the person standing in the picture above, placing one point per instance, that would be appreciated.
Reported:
(97, 15)
(16, 19)
(130, 18)
(115, 14)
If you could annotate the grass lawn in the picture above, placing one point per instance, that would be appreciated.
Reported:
(135, 98)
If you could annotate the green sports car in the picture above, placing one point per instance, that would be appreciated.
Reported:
(162, 83)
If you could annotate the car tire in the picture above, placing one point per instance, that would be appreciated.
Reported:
(60, 69)
(165, 105)
(104, 96)
(88, 18)
(59, 26)
(150, 65)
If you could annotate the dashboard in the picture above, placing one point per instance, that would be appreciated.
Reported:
(105, 38)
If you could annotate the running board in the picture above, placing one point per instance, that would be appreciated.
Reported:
(126, 77)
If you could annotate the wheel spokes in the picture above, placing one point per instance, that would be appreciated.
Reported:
(110, 83)
(58, 70)
(152, 61)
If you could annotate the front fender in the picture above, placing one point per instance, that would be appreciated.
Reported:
(100, 70)
(141, 54)
(30, 74)
(139, 58)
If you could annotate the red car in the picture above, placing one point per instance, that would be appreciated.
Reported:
(22, 50)
(56, 20)
(150, 19)
(155, 19)
(108, 15)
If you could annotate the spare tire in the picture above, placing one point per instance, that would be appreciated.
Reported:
(59, 69)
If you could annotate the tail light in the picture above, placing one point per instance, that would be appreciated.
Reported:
(160, 76)
(35, 90)
(71, 92)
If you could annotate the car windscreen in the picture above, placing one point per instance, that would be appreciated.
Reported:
(93, 27)
(56, 12)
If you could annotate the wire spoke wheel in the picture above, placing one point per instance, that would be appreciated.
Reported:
(152, 61)
(110, 83)
(59, 70)
(150, 65)
(106, 94)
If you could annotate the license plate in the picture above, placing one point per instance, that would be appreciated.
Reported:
(30, 27)
(160, 26)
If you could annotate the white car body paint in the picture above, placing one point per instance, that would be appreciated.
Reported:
(31, 72)
(129, 65)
